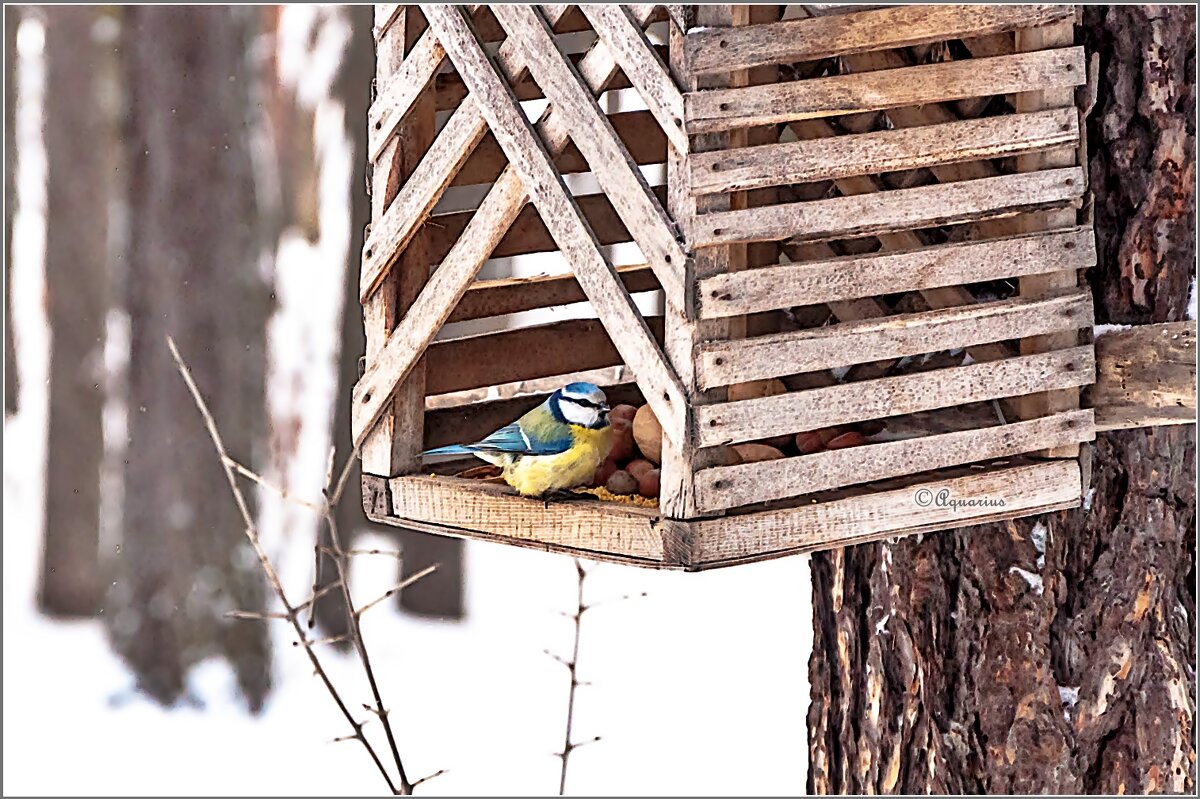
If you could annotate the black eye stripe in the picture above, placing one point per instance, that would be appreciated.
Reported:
(580, 401)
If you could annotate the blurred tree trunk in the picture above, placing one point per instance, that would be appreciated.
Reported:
(439, 594)
(939, 668)
(194, 273)
(78, 142)
(12, 18)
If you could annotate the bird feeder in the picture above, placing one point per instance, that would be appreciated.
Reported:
(882, 213)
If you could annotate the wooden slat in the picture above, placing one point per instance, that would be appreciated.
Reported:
(398, 94)
(794, 40)
(643, 67)
(611, 527)
(526, 353)
(596, 275)
(846, 403)
(725, 487)
(876, 91)
(513, 295)
(812, 282)
(871, 214)
(1023, 489)
(638, 130)
(723, 363)
(881, 151)
(528, 233)
(1145, 375)
(449, 151)
(593, 134)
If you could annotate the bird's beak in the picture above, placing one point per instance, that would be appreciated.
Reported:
(604, 409)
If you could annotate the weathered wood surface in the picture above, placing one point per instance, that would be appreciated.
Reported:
(902, 209)
(595, 274)
(881, 151)
(876, 91)
(794, 40)
(516, 294)
(1145, 375)
(642, 65)
(591, 525)
(524, 353)
(611, 164)
(853, 276)
(846, 403)
(805, 528)
(726, 362)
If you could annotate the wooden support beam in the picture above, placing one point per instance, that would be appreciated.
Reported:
(516, 294)
(593, 134)
(1145, 375)
(724, 487)
(847, 403)
(595, 274)
(876, 91)
(881, 151)
(850, 277)
(902, 209)
(795, 40)
(723, 363)
(642, 66)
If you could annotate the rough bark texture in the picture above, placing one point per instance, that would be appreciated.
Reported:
(1050, 654)
(12, 18)
(194, 273)
(78, 139)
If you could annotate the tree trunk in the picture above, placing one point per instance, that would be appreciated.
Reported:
(194, 273)
(78, 139)
(1051, 654)
(12, 19)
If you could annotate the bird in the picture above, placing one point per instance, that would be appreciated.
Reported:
(555, 447)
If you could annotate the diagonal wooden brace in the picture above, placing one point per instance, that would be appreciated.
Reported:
(562, 217)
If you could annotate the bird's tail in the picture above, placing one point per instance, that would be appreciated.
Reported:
(453, 449)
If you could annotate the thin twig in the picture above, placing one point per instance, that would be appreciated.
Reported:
(405, 583)
(572, 667)
(282, 492)
(251, 530)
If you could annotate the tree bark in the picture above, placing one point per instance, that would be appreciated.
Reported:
(78, 142)
(194, 273)
(1050, 654)
(12, 19)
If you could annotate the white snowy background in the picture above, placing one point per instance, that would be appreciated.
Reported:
(698, 688)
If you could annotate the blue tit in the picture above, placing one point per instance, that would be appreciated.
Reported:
(556, 446)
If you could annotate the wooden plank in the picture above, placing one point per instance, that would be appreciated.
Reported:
(472, 505)
(846, 403)
(795, 40)
(638, 130)
(871, 214)
(388, 365)
(387, 451)
(525, 353)
(528, 233)
(1023, 490)
(881, 151)
(593, 134)
(723, 363)
(790, 285)
(723, 487)
(459, 136)
(398, 94)
(596, 275)
(875, 91)
(1057, 35)
(1145, 375)
(513, 295)
(643, 66)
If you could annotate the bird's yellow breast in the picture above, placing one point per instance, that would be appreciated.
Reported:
(536, 475)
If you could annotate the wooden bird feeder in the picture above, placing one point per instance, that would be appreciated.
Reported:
(885, 209)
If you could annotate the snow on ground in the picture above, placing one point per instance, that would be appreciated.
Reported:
(699, 688)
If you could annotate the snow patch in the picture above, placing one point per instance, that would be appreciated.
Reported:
(1191, 309)
(1034, 580)
(1088, 497)
(1100, 330)
(1068, 695)
(1038, 535)
(881, 625)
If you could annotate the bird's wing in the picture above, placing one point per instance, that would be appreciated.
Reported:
(514, 440)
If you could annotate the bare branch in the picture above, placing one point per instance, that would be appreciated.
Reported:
(394, 553)
(407, 581)
(272, 576)
(572, 666)
(262, 481)
(251, 615)
(429, 777)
